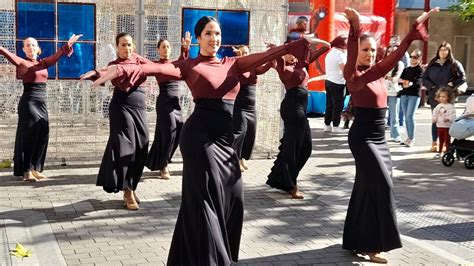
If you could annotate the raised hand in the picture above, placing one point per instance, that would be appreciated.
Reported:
(73, 39)
(186, 41)
(270, 45)
(353, 16)
(425, 15)
(314, 40)
(236, 51)
(88, 75)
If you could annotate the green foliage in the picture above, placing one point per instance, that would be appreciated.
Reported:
(464, 8)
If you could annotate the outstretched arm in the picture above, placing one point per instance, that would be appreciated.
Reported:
(417, 32)
(11, 57)
(300, 49)
(66, 49)
(168, 71)
(352, 44)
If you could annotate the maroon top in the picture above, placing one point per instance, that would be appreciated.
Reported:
(366, 84)
(294, 76)
(183, 55)
(35, 71)
(250, 78)
(125, 83)
(209, 77)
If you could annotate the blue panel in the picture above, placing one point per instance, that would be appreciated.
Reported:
(419, 4)
(234, 26)
(194, 51)
(35, 20)
(81, 61)
(225, 51)
(77, 19)
(47, 49)
(191, 16)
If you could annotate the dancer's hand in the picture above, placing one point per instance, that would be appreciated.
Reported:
(270, 45)
(88, 75)
(73, 39)
(310, 38)
(236, 51)
(353, 16)
(110, 74)
(186, 41)
(425, 15)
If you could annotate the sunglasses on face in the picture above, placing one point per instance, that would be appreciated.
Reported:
(414, 57)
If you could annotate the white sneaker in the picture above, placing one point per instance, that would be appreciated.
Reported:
(327, 128)
(337, 130)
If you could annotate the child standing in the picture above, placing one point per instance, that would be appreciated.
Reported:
(444, 115)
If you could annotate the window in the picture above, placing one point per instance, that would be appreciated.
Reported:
(235, 26)
(52, 24)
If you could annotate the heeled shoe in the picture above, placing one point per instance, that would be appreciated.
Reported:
(136, 198)
(28, 176)
(377, 258)
(38, 175)
(130, 201)
(296, 193)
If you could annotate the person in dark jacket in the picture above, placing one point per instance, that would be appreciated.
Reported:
(410, 94)
(442, 70)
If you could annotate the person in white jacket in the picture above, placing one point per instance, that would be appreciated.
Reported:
(443, 115)
(391, 82)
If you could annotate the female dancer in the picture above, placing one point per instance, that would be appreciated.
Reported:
(370, 225)
(168, 114)
(295, 147)
(245, 116)
(209, 223)
(127, 147)
(32, 134)
(443, 70)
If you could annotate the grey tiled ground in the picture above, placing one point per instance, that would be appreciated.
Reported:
(435, 211)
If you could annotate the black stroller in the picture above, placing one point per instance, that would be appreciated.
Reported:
(462, 149)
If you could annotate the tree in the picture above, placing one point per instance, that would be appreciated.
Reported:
(465, 9)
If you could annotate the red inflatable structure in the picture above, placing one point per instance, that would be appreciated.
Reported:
(377, 18)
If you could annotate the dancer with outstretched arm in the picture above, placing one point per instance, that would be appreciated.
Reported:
(371, 224)
(32, 135)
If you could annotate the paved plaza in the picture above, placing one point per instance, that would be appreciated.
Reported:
(66, 219)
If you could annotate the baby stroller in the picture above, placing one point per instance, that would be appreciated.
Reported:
(462, 149)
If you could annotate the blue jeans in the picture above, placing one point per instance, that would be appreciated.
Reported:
(409, 104)
(393, 111)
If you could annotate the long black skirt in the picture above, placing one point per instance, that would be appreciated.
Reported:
(245, 122)
(127, 147)
(168, 126)
(295, 145)
(32, 134)
(371, 224)
(210, 218)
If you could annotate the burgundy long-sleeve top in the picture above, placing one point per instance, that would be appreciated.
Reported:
(35, 71)
(183, 55)
(366, 83)
(250, 78)
(209, 77)
(125, 83)
(293, 75)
